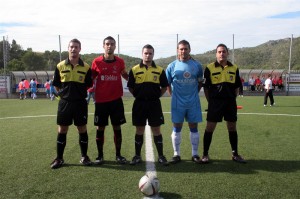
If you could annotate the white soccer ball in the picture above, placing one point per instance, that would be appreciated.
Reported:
(149, 185)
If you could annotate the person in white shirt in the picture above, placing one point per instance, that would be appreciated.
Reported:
(269, 91)
(251, 83)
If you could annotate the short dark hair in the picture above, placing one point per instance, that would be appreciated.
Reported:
(222, 45)
(108, 38)
(184, 42)
(75, 41)
(148, 46)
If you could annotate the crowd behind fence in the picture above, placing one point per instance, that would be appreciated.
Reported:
(43, 76)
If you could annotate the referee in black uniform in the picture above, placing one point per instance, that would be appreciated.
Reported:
(72, 77)
(221, 85)
(147, 83)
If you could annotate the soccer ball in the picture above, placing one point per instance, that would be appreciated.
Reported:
(149, 185)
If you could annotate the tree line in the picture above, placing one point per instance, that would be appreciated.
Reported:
(28, 60)
(270, 55)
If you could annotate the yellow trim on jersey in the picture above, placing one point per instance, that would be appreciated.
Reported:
(142, 75)
(77, 74)
(219, 75)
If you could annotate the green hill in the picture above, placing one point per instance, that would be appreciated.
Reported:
(273, 54)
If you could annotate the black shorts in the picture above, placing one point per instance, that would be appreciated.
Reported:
(219, 108)
(113, 109)
(143, 110)
(69, 111)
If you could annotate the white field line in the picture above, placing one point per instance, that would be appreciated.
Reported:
(270, 114)
(37, 116)
(150, 166)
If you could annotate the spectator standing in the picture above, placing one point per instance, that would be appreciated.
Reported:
(185, 77)
(21, 87)
(91, 94)
(27, 87)
(53, 92)
(47, 87)
(33, 88)
(251, 82)
(269, 91)
(241, 89)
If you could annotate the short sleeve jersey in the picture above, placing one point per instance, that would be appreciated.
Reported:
(72, 81)
(26, 84)
(47, 85)
(21, 85)
(147, 82)
(221, 82)
(107, 75)
(33, 84)
(184, 77)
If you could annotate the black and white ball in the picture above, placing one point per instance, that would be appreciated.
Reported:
(149, 185)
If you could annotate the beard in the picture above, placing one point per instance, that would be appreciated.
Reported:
(74, 55)
(110, 52)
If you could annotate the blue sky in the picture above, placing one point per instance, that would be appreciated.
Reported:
(204, 23)
(287, 15)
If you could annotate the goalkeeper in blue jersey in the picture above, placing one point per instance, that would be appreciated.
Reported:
(185, 79)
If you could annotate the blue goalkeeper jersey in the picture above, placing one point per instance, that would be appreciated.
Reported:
(184, 76)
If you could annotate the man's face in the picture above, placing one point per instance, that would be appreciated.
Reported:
(148, 55)
(109, 47)
(183, 52)
(74, 49)
(221, 54)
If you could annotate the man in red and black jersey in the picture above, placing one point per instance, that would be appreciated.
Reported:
(72, 77)
(107, 71)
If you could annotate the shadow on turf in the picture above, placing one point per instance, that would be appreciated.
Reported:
(166, 195)
(111, 165)
(229, 166)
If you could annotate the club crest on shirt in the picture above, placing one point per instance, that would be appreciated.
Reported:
(186, 74)
(80, 78)
(154, 78)
(114, 69)
(231, 78)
